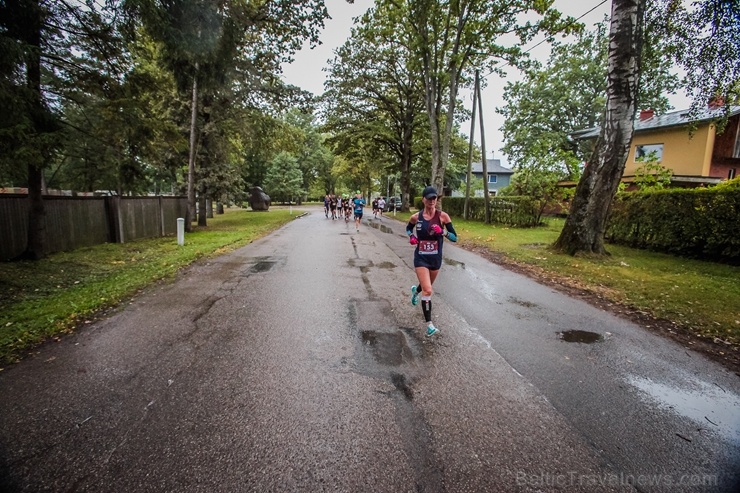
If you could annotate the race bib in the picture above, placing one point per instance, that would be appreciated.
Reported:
(428, 247)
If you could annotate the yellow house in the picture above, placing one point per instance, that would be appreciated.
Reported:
(701, 157)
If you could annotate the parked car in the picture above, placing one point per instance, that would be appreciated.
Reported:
(391, 203)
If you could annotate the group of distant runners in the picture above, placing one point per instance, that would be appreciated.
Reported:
(338, 206)
(341, 206)
(378, 206)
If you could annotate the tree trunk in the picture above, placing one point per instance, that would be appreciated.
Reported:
(433, 113)
(586, 224)
(432, 88)
(469, 176)
(202, 206)
(438, 177)
(35, 247)
(191, 160)
(407, 156)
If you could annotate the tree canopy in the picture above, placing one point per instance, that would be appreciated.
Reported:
(450, 40)
(99, 92)
(568, 94)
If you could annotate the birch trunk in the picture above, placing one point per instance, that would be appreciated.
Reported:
(586, 224)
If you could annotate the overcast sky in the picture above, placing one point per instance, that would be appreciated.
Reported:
(306, 72)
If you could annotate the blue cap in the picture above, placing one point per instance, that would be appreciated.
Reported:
(429, 193)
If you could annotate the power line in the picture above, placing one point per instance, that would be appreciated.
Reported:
(576, 20)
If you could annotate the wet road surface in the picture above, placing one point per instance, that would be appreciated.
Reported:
(297, 364)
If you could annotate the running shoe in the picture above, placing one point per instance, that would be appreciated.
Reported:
(414, 295)
(431, 329)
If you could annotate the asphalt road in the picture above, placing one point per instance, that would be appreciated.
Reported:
(297, 363)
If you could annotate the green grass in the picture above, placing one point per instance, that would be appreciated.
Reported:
(699, 296)
(44, 299)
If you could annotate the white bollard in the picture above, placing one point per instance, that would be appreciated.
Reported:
(181, 231)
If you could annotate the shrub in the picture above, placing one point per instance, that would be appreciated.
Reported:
(514, 211)
(690, 222)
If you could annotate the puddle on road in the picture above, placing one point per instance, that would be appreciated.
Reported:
(401, 383)
(524, 303)
(388, 348)
(360, 262)
(383, 350)
(453, 263)
(710, 406)
(386, 265)
(261, 267)
(263, 264)
(582, 336)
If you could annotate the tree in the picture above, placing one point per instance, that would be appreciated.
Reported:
(704, 39)
(120, 135)
(651, 175)
(451, 39)
(214, 44)
(567, 95)
(586, 223)
(37, 61)
(540, 185)
(711, 32)
(262, 138)
(284, 179)
(373, 94)
(314, 157)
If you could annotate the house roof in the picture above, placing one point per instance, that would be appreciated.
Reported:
(492, 166)
(672, 119)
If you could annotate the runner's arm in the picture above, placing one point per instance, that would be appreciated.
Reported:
(412, 222)
(450, 234)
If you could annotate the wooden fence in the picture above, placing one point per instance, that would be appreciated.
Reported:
(74, 222)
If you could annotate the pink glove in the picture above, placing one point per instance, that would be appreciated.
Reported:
(436, 229)
(413, 240)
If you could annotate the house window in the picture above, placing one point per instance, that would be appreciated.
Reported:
(492, 178)
(649, 151)
(736, 152)
(731, 174)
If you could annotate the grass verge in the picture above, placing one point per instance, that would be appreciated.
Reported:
(44, 299)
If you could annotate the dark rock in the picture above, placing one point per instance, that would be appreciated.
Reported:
(258, 200)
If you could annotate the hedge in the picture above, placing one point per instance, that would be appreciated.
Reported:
(514, 211)
(700, 222)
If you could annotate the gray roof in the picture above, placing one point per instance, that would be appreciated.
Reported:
(492, 166)
(672, 119)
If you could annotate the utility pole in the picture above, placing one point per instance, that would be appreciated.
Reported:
(486, 198)
(466, 209)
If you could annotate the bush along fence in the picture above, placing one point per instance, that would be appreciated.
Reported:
(518, 211)
(74, 222)
(700, 222)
